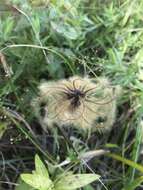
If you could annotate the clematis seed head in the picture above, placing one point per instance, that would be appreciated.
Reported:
(82, 102)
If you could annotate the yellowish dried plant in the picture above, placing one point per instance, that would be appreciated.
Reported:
(84, 103)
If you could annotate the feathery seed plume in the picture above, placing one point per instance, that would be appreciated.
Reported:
(81, 102)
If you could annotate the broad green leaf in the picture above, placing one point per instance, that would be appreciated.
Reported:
(134, 184)
(23, 186)
(88, 187)
(37, 181)
(40, 168)
(66, 30)
(72, 182)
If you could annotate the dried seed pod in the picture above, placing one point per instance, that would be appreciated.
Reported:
(81, 102)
